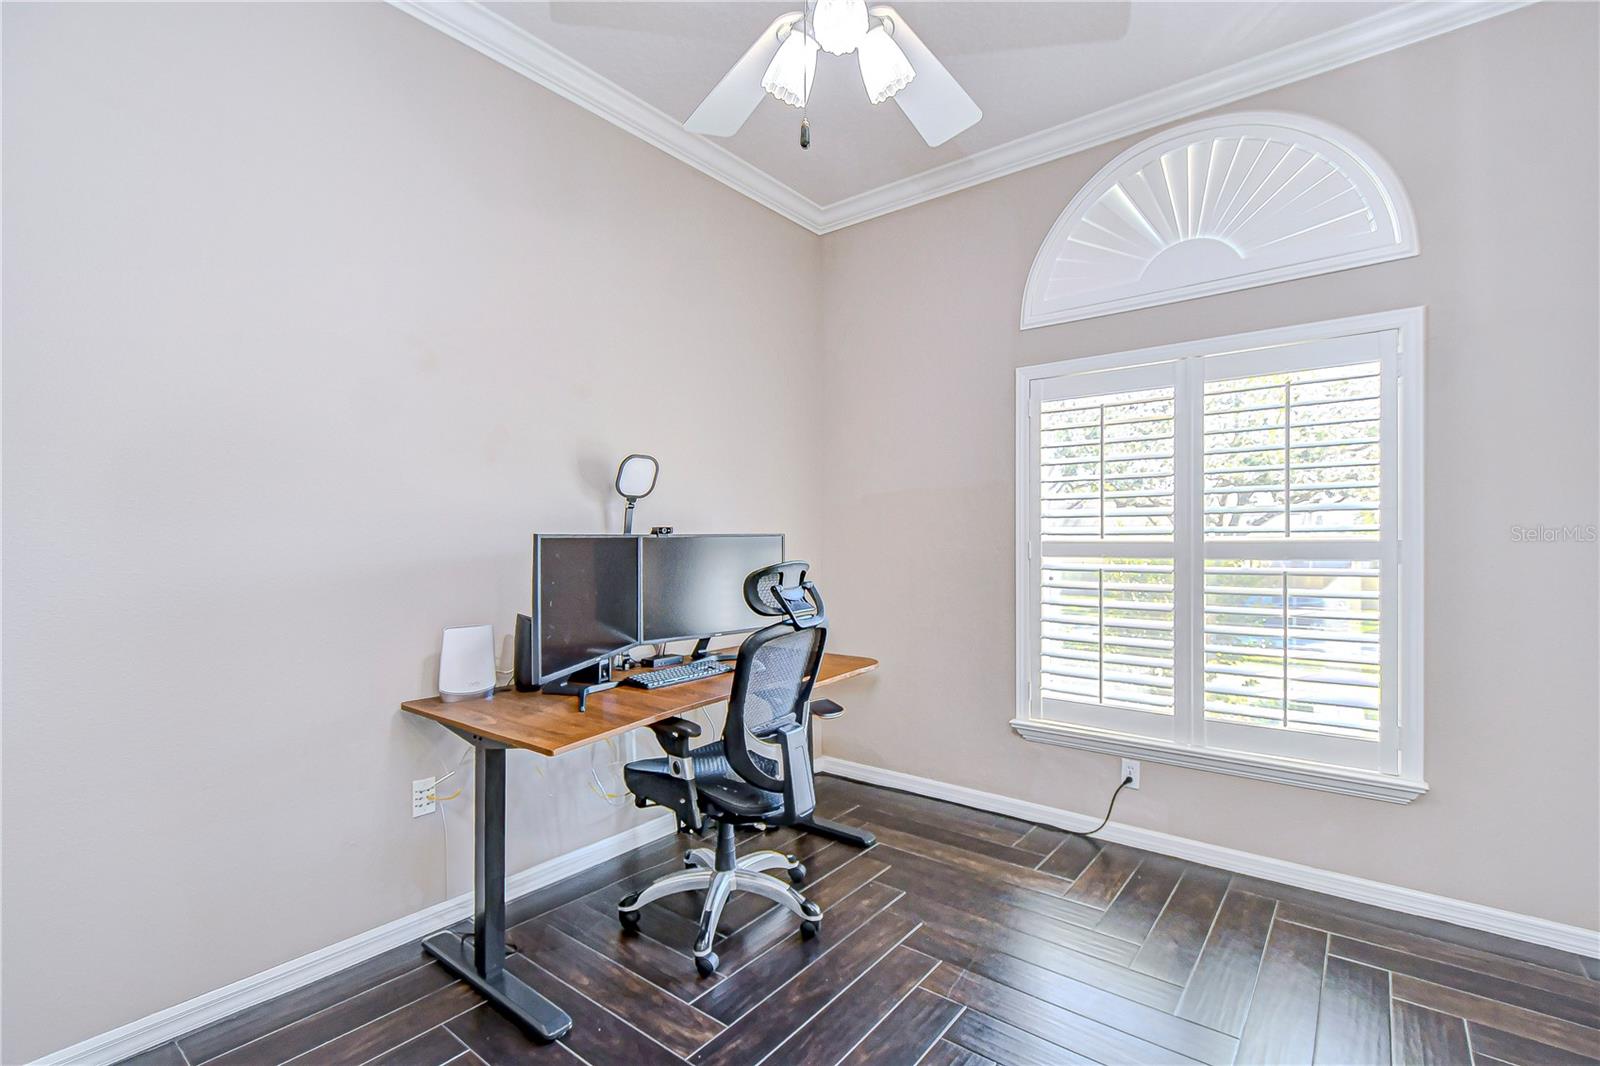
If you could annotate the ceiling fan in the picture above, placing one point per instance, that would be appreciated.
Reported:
(894, 63)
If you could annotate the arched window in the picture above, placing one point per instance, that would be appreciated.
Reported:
(1220, 204)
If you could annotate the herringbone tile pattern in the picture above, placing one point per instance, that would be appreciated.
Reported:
(962, 938)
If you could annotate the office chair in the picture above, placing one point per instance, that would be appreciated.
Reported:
(729, 783)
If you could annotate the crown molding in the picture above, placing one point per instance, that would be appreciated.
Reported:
(1383, 32)
(506, 43)
(510, 45)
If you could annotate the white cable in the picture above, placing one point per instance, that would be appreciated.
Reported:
(450, 770)
(444, 820)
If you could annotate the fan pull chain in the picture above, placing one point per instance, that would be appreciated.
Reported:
(805, 121)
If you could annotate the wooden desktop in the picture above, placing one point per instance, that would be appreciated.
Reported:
(550, 725)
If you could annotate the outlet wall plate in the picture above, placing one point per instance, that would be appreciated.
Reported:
(421, 803)
(1130, 768)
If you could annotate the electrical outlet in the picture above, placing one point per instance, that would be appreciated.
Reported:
(422, 801)
(1130, 768)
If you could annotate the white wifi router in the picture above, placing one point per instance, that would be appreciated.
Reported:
(466, 663)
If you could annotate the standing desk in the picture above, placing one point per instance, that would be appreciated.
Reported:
(550, 725)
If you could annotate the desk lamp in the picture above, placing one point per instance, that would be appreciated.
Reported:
(636, 479)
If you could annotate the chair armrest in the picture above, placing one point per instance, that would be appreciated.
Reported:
(826, 709)
(675, 734)
(799, 789)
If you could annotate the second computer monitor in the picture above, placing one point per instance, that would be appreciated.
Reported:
(693, 586)
(585, 600)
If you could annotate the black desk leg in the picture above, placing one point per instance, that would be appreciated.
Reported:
(485, 968)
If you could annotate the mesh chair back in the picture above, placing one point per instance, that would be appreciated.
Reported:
(771, 687)
(779, 680)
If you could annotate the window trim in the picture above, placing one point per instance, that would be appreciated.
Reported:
(1406, 398)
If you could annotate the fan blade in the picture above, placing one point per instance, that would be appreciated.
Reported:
(725, 108)
(934, 102)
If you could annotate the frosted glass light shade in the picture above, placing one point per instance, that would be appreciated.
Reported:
(839, 25)
(884, 67)
(792, 70)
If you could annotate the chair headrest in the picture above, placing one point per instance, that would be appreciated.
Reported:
(781, 590)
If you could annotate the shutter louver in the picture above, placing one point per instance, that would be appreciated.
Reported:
(1293, 455)
(1106, 628)
(1293, 643)
(1294, 458)
(1106, 466)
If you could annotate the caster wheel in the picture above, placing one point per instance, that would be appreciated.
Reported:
(629, 919)
(706, 964)
(809, 929)
(797, 873)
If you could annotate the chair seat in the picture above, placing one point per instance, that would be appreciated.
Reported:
(715, 781)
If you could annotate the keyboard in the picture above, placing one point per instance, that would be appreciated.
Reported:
(678, 675)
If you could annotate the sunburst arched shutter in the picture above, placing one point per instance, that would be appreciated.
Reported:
(1212, 206)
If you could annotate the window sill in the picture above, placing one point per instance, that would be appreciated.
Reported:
(1236, 764)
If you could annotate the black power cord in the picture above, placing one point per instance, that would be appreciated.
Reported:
(1126, 781)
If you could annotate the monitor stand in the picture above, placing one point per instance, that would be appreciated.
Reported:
(702, 651)
(583, 682)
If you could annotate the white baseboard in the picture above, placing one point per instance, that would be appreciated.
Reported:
(1406, 900)
(158, 1028)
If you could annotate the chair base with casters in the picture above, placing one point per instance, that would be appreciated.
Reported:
(719, 874)
(700, 786)
(732, 782)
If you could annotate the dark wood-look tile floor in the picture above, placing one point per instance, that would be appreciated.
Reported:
(963, 938)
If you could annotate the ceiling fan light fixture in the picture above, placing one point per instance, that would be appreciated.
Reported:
(783, 62)
(885, 70)
(790, 74)
(839, 25)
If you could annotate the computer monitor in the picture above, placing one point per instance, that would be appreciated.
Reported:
(585, 600)
(693, 586)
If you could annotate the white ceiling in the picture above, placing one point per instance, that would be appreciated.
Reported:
(1029, 66)
(1050, 78)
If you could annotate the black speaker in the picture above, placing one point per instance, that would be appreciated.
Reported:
(522, 656)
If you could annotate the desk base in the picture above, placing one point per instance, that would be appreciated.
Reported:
(834, 831)
(508, 994)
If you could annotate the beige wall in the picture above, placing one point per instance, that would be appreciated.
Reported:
(312, 317)
(1493, 131)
